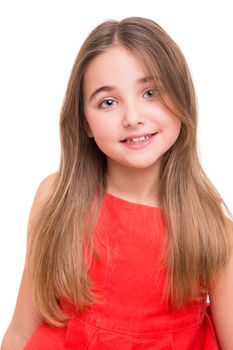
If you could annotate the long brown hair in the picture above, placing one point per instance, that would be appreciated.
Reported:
(198, 243)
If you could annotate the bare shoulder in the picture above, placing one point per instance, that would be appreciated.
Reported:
(221, 300)
(45, 187)
(42, 194)
(227, 275)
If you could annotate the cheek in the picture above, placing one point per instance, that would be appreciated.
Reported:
(175, 126)
(173, 131)
(165, 119)
(170, 127)
(101, 125)
(93, 123)
(98, 127)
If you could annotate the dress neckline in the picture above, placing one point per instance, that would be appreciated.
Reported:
(125, 202)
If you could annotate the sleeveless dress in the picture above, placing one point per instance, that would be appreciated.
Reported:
(130, 278)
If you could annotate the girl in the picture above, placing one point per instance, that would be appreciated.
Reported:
(129, 237)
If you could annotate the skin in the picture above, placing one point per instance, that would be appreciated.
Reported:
(221, 299)
(131, 108)
(132, 174)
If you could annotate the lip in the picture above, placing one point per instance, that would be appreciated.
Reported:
(137, 136)
(139, 145)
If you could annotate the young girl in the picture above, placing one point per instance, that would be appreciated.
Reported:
(129, 237)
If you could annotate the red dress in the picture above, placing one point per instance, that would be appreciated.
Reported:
(129, 238)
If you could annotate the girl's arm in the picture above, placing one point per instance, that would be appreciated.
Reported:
(221, 301)
(25, 320)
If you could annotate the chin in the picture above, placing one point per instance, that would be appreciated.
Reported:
(143, 165)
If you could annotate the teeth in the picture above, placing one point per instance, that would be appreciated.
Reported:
(138, 139)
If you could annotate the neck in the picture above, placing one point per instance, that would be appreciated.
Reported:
(135, 185)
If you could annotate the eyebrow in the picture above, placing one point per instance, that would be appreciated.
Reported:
(108, 88)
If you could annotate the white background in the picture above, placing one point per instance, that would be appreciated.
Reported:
(39, 41)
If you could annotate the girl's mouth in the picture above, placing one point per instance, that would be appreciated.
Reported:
(138, 142)
(139, 139)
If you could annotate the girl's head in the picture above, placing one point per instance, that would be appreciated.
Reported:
(153, 54)
(124, 113)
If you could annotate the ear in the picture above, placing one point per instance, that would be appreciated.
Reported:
(87, 128)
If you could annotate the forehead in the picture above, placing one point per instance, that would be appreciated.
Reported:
(115, 65)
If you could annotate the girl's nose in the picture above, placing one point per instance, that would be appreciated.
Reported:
(132, 117)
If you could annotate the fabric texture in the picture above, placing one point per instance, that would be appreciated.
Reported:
(130, 280)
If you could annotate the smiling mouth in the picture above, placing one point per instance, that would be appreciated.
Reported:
(139, 139)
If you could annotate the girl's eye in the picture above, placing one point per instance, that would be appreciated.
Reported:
(108, 103)
(151, 93)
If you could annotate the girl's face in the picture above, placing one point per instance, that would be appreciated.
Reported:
(129, 123)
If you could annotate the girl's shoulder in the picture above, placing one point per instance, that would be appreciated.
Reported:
(229, 227)
(42, 194)
(45, 187)
(221, 298)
